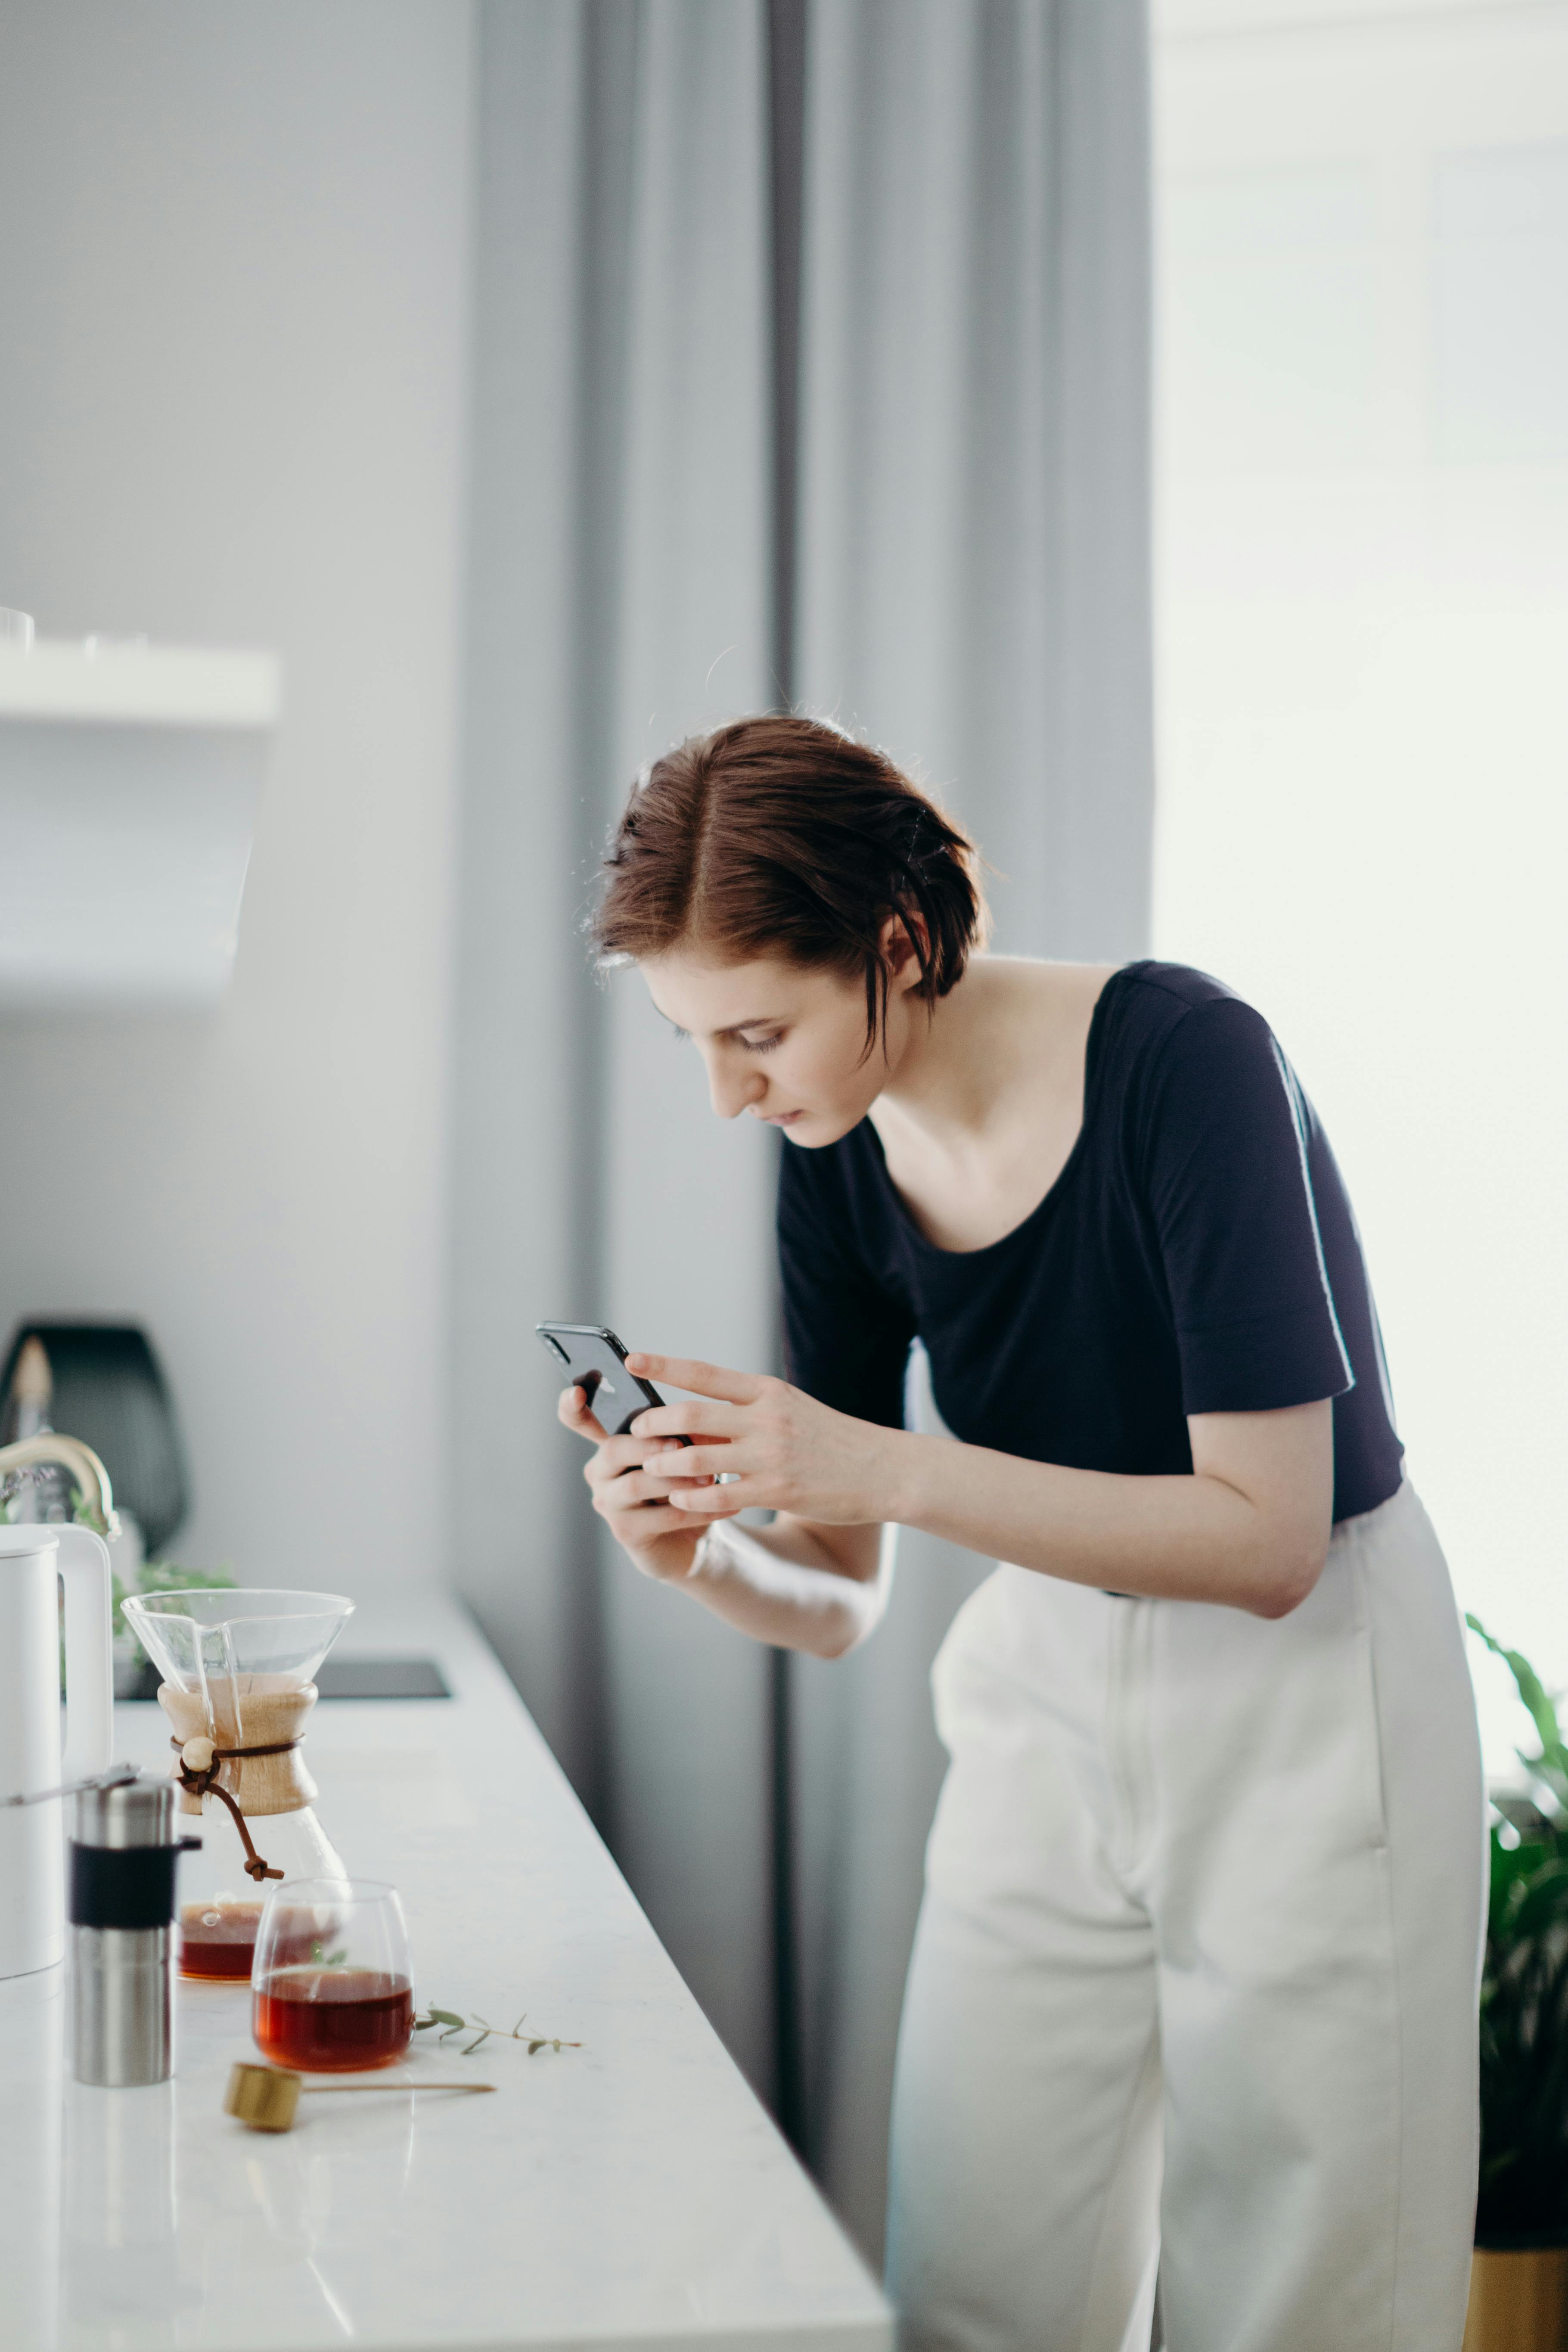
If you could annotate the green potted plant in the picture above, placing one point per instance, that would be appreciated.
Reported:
(1518, 2296)
(134, 1675)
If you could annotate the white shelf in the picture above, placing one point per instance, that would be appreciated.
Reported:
(128, 780)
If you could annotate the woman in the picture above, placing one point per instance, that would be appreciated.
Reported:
(1202, 1894)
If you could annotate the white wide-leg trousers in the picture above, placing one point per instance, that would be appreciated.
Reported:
(1196, 1971)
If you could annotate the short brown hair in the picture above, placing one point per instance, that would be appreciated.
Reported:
(784, 836)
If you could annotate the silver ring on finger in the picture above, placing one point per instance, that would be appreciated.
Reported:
(726, 1478)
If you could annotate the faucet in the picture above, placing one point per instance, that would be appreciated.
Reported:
(79, 1461)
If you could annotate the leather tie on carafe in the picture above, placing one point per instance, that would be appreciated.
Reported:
(262, 1784)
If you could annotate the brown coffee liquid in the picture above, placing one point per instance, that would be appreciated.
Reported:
(327, 2020)
(218, 1939)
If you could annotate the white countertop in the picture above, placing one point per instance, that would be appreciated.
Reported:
(629, 2191)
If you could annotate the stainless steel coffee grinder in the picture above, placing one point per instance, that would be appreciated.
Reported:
(122, 1909)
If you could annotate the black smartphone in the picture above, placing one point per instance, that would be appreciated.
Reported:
(593, 1359)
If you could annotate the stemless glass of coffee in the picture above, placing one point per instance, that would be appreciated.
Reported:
(333, 1988)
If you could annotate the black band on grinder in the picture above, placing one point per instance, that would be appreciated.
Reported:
(130, 1886)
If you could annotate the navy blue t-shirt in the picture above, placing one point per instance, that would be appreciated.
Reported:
(1197, 1254)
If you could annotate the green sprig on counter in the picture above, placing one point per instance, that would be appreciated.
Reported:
(452, 2025)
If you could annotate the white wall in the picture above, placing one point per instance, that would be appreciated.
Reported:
(1364, 623)
(233, 293)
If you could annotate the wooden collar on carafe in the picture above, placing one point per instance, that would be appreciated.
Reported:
(262, 1772)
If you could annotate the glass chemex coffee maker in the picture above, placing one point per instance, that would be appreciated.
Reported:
(236, 1689)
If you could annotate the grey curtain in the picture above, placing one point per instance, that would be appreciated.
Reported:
(811, 367)
(973, 589)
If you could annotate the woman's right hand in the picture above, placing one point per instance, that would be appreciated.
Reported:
(662, 1542)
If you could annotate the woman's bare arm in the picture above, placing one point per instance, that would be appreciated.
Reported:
(821, 1589)
(799, 1587)
(1249, 1527)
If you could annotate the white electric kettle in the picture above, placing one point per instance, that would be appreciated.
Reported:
(34, 1562)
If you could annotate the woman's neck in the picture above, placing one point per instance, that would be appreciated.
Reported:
(986, 1101)
(1011, 1028)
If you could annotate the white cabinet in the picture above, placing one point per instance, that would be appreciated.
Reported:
(129, 780)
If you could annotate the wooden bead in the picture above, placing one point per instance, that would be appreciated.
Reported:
(198, 1754)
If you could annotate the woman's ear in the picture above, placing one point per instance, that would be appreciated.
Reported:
(905, 963)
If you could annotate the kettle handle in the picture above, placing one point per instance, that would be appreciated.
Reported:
(90, 1665)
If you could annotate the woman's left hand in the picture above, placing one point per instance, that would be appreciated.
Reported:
(775, 1448)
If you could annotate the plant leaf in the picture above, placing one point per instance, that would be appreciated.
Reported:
(1524, 1994)
(1534, 1693)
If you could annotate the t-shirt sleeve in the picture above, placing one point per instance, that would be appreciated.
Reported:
(1227, 1180)
(847, 1339)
